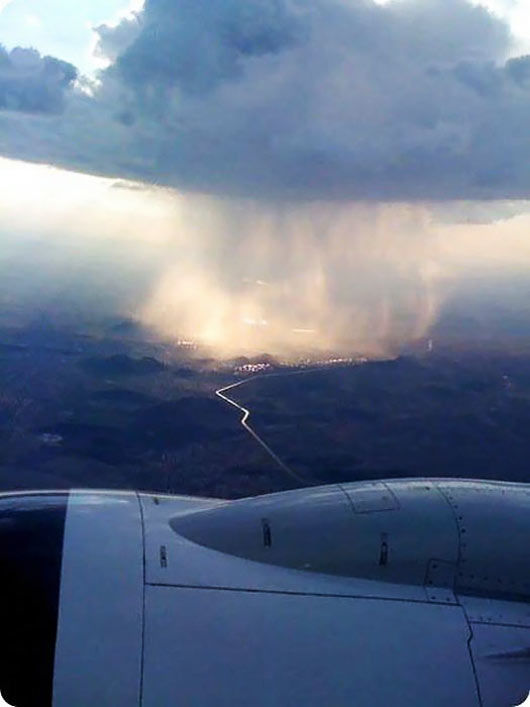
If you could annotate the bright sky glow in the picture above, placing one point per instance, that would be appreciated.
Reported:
(46, 201)
(515, 12)
(62, 29)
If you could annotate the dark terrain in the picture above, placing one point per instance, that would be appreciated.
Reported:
(112, 412)
(461, 416)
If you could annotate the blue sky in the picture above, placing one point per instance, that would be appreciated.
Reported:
(56, 27)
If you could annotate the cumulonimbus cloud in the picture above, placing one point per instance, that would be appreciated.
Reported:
(33, 83)
(416, 99)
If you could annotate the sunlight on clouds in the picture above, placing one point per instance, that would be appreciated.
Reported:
(514, 12)
(97, 57)
(57, 203)
(502, 246)
(20, 178)
(246, 276)
(361, 278)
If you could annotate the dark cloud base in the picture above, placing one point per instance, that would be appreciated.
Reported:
(320, 99)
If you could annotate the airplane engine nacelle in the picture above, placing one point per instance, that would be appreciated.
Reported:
(466, 536)
(121, 599)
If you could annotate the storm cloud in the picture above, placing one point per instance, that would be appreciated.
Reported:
(31, 83)
(341, 99)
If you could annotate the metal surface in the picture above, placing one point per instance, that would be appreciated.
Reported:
(192, 565)
(371, 497)
(487, 610)
(234, 649)
(494, 526)
(318, 530)
(502, 658)
(365, 594)
(99, 637)
(439, 581)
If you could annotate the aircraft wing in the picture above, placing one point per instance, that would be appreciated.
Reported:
(290, 599)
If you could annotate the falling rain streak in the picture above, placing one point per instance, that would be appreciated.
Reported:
(241, 275)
